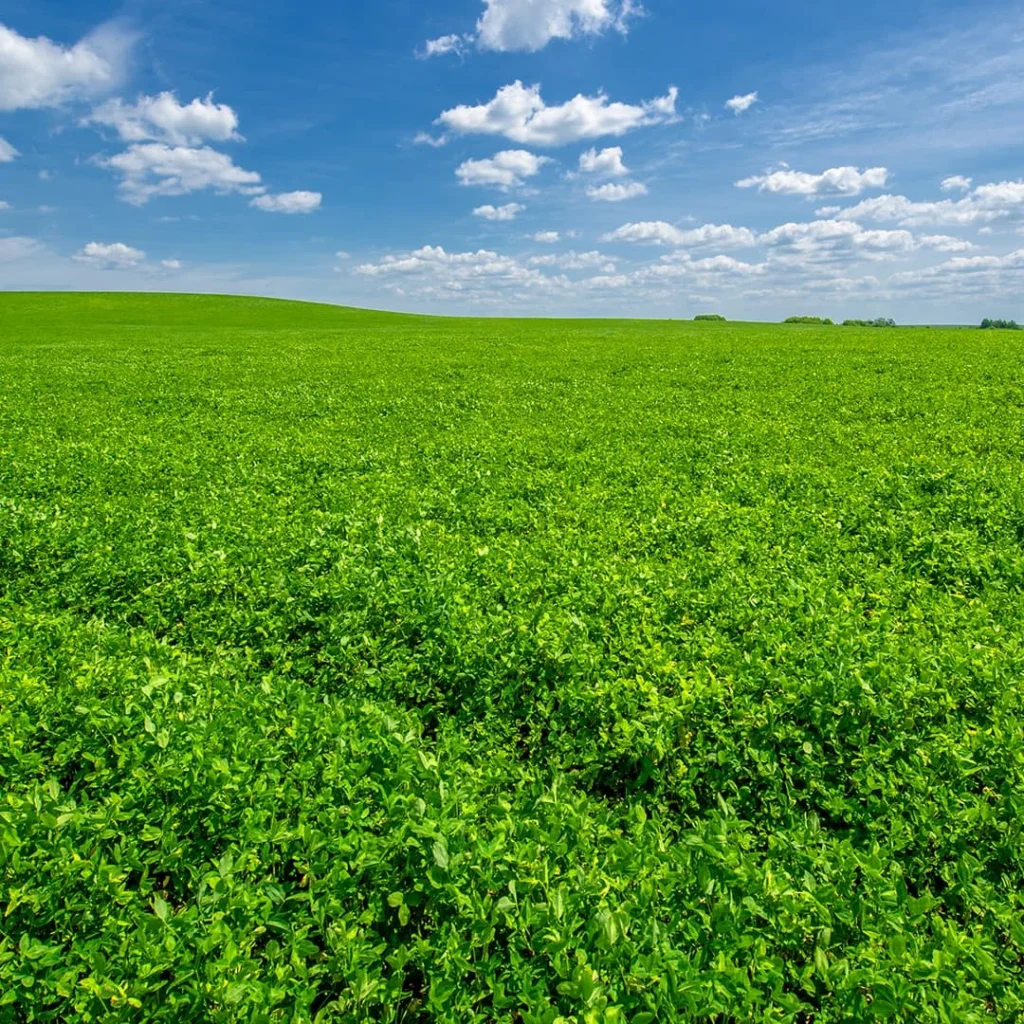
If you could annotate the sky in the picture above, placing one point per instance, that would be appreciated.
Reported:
(522, 157)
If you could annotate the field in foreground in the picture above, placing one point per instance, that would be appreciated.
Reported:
(358, 667)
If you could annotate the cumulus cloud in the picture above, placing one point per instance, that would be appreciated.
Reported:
(507, 169)
(40, 73)
(987, 275)
(507, 212)
(649, 232)
(834, 239)
(718, 234)
(432, 256)
(616, 192)
(976, 264)
(606, 164)
(435, 271)
(4, 205)
(529, 25)
(519, 113)
(426, 139)
(162, 118)
(845, 181)
(18, 247)
(7, 151)
(983, 205)
(444, 44)
(956, 183)
(156, 169)
(547, 237)
(790, 243)
(741, 104)
(171, 264)
(945, 243)
(574, 261)
(654, 278)
(725, 265)
(288, 202)
(113, 256)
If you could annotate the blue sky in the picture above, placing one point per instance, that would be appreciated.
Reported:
(555, 157)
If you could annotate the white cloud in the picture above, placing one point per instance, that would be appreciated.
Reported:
(505, 170)
(46, 175)
(547, 237)
(617, 192)
(846, 181)
(607, 164)
(901, 210)
(18, 248)
(574, 261)
(164, 119)
(507, 212)
(4, 205)
(426, 139)
(845, 239)
(945, 243)
(115, 256)
(432, 256)
(827, 211)
(956, 183)
(651, 232)
(171, 264)
(288, 202)
(985, 204)
(39, 73)
(432, 270)
(973, 264)
(7, 152)
(444, 44)
(791, 244)
(706, 272)
(990, 274)
(155, 169)
(825, 238)
(726, 265)
(519, 113)
(529, 25)
(741, 104)
(724, 235)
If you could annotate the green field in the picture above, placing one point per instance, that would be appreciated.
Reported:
(364, 667)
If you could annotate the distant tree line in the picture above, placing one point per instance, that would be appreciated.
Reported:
(1000, 325)
(824, 321)
(709, 316)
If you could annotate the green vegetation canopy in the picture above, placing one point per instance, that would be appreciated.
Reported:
(357, 667)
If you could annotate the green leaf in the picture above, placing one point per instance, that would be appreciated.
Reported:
(440, 850)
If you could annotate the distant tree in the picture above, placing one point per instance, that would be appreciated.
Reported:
(879, 322)
(809, 320)
(709, 316)
(1000, 325)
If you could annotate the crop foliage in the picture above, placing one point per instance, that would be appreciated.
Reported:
(360, 667)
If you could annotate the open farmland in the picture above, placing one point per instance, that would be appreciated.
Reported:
(369, 667)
